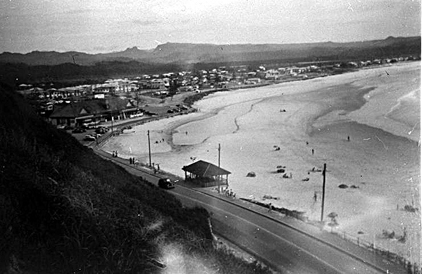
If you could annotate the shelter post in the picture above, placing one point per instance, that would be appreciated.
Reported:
(323, 192)
(149, 149)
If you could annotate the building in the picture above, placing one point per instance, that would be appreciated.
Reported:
(272, 74)
(206, 174)
(92, 111)
(253, 81)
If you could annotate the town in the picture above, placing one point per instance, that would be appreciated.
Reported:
(86, 106)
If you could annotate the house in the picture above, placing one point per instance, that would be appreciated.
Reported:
(82, 112)
(251, 74)
(104, 88)
(282, 70)
(157, 84)
(253, 81)
(272, 74)
(296, 70)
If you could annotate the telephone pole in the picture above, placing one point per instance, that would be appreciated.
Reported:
(219, 152)
(112, 130)
(149, 149)
(323, 191)
(219, 176)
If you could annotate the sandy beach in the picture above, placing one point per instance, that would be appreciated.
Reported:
(364, 125)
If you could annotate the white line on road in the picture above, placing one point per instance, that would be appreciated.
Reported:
(261, 229)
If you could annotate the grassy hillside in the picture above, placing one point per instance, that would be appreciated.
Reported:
(65, 210)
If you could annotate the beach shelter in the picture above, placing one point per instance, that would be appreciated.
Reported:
(206, 174)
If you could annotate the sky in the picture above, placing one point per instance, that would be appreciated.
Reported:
(96, 26)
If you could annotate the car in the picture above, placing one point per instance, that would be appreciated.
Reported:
(165, 183)
(89, 138)
(101, 130)
(78, 130)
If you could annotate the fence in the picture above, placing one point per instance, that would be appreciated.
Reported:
(412, 268)
(393, 257)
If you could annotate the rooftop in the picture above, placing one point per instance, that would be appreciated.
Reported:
(205, 169)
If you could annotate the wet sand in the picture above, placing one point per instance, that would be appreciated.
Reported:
(382, 159)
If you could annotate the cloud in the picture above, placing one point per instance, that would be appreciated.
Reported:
(78, 24)
(78, 11)
(146, 22)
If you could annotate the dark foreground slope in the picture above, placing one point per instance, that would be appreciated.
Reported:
(65, 210)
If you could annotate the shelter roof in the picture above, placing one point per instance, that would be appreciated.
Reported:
(205, 169)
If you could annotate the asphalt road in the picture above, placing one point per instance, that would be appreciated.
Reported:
(285, 248)
(282, 247)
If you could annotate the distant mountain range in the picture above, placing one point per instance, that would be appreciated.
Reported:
(186, 53)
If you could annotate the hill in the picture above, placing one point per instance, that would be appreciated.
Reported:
(16, 73)
(206, 53)
(65, 210)
(186, 53)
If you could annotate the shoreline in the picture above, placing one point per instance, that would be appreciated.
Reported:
(382, 164)
(275, 83)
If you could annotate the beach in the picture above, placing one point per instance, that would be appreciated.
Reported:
(363, 125)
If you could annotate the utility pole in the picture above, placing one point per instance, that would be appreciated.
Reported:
(149, 149)
(323, 191)
(219, 151)
(219, 177)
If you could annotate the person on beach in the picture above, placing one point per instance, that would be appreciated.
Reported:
(348, 138)
(315, 196)
(313, 151)
(270, 207)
